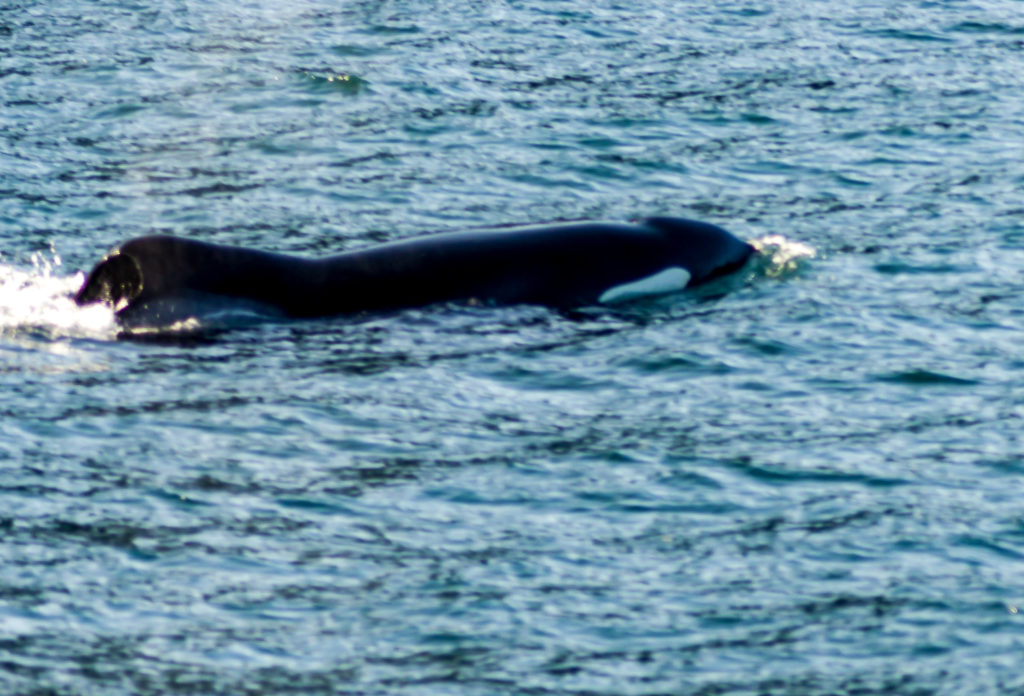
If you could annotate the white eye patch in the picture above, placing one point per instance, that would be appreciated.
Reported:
(669, 280)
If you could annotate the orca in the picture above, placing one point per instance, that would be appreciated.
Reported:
(563, 265)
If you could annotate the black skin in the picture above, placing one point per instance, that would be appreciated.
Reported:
(561, 266)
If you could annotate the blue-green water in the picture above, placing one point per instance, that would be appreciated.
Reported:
(808, 481)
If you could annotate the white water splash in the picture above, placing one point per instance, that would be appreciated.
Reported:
(38, 303)
(782, 256)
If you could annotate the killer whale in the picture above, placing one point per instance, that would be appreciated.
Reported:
(563, 265)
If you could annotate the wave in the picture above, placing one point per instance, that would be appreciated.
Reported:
(37, 303)
(781, 257)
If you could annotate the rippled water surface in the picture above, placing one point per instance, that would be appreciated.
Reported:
(804, 480)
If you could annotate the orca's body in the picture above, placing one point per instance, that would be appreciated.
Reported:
(566, 265)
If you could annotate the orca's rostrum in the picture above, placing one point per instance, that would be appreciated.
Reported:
(565, 265)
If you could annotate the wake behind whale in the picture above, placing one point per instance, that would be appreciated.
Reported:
(157, 280)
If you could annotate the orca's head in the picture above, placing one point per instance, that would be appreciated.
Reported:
(707, 251)
(115, 281)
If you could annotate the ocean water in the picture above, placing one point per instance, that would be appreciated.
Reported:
(806, 479)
